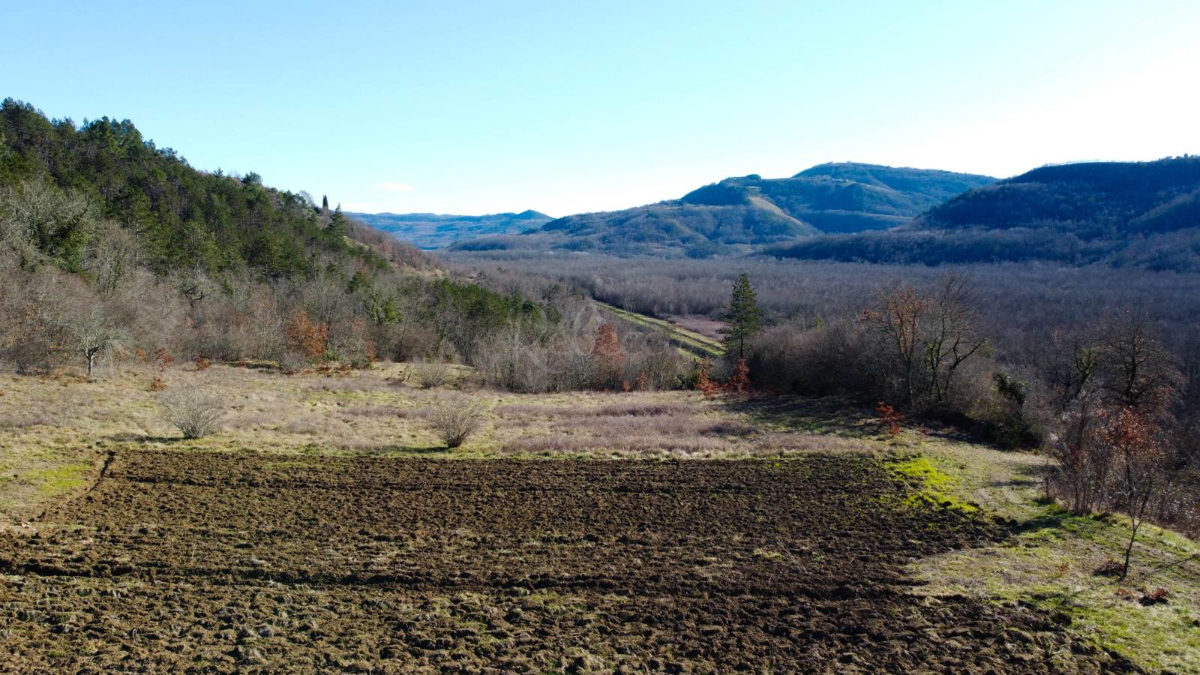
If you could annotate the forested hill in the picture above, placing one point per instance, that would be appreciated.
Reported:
(431, 231)
(104, 170)
(107, 240)
(1127, 213)
(1091, 200)
(737, 214)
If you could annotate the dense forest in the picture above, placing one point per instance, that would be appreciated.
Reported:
(1143, 214)
(113, 248)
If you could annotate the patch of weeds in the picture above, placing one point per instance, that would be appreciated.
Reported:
(60, 479)
(934, 485)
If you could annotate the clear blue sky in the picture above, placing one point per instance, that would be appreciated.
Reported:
(476, 107)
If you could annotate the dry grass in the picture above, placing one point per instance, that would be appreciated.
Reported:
(48, 423)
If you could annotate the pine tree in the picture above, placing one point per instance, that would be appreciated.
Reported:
(744, 318)
(337, 224)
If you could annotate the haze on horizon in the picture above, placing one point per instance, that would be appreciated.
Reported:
(474, 108)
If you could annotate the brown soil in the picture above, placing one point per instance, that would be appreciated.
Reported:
(221, 562)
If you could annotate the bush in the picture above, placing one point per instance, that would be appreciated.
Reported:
(456, 419)
(195, 412)
(431, 375)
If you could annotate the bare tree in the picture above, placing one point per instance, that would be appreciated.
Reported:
(195, 412)
(1069, 362)
(455, 419)
(1141, 373)
(92, 332)
(926, 338)
(953, 333)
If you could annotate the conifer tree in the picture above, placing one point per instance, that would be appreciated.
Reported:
(744, 318)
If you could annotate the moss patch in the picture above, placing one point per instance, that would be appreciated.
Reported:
(60, 479)
(934, 485)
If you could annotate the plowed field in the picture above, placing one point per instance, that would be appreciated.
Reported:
(218, 562)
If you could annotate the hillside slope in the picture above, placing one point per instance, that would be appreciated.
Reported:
(124, 248)
(431, 231)
(1139, 213)
(736, 215)
(63, 186)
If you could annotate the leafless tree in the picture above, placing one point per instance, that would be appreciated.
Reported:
(924, 338)
(1141, 373)
(195, 412)
(93, 331)
(456, 418)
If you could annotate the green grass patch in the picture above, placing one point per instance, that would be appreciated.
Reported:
(934, 485)
(59, 480)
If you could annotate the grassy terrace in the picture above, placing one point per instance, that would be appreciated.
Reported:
(688, 341)
(55, 433)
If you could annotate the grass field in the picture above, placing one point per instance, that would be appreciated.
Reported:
(57, 433)
(689, 341)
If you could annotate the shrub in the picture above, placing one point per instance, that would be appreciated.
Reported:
(456, 419)
(195, 412)
(431, 375)
(1158, 596)
(889, 418)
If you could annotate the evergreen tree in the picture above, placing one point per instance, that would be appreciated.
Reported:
(337, 224)
(744, 318)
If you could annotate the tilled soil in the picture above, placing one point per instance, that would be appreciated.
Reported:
(213, 562)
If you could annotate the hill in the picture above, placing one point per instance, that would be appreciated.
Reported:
(431, 231)
(64, 185)
(1140, 213)
(122, 248)
(736, 215)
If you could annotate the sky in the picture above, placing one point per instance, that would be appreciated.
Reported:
(568, 107)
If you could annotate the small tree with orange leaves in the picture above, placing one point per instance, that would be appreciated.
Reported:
(1140, 462)
(890, 418)
(739, 383)
(704, 383)
(308, 337)
(607, 357)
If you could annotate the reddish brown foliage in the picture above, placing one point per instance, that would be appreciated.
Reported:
(163, 358)
(306, 336)
(1158, 596)
(704, 382)
(740, 382)
(607, 347)
(202, 363)
(890, 418)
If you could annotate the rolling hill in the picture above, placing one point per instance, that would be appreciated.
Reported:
(737, 215)
(431, 231)
(1136, 213)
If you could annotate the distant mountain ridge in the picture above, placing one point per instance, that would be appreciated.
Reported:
(431, 231)
(736, 215)
(1130, 213)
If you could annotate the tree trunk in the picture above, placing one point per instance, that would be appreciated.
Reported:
(1133, 525)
